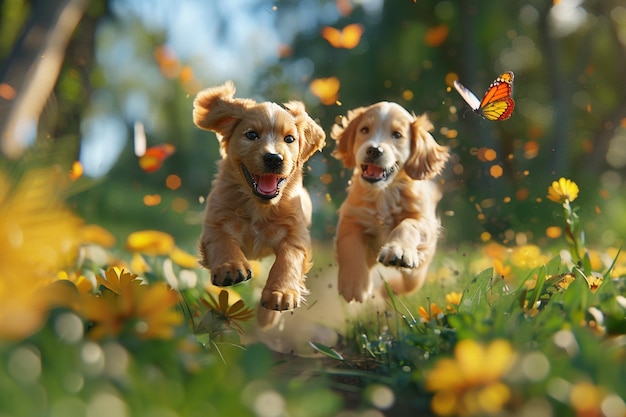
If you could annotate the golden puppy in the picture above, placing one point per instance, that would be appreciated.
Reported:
(257, 205)
(389, 215)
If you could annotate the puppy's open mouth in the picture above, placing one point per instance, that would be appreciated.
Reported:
(266, 186)
(375, 173)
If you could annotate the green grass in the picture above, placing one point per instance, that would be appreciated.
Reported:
(496, 330)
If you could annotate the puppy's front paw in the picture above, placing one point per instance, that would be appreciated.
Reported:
(393, 254)
(280, 299)
(230, 273)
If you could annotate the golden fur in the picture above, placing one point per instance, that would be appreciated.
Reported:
(257, 205)
(389, 215)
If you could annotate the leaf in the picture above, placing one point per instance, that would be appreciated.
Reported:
(615, 324)
(576, 298)
(391, 295)
(365, 344)
(327, 351)
(538, 290)
(475, 293)
(468, 325)
(586, 263)
(607, 274)
(554, 265)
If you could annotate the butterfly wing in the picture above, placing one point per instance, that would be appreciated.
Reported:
(153, 159)
(351, 35)
(497, 103)
(469, 97)
(333, 36)
(348, 37)
(498, 110)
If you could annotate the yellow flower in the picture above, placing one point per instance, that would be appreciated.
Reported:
(23, 308)
(103, 312)
(586, 399)
(495, 250)
(155, 311)
(433, 313)
(454, 298)
(139, 264)
(118, 280)
(471, 382)
(528, 256)
(38, 237)
(593, 281)
(184, 259)
(97, 235)
(82, 284)
(226, 312)
(145, 311)
(38, 234)
(150, 242)
(563, 190)
(564, 280)
(500, 269)
(216, 291)
(155, 243)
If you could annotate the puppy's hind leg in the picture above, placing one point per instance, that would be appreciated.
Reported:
(406, 281)
(285, 288)
(267, 318)
(354, 281)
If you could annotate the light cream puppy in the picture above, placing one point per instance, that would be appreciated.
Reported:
(389, 215)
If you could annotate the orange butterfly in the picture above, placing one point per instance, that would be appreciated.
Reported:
(327, 89)
(348, 37)
(151, 159)
(497, 103)
(154, 156)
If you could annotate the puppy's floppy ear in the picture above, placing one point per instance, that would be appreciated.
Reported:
(427, 156)
(215, 109)
(345, 135)
(313, 136)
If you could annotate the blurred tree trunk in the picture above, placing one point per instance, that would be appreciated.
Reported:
(596, 161)
(32, 69)
(559, 144)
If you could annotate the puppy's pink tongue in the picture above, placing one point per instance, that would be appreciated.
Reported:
(268, 183)
(374, 171)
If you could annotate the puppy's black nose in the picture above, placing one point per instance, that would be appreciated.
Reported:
(374, 151)
(273, 161)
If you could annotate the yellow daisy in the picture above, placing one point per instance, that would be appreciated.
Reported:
(150, 242)
(563, 190)
(226, 312)
(471, 382)
(38, 237)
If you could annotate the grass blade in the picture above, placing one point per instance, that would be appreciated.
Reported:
(326, 351)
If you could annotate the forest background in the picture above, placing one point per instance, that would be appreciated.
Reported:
(129, 62)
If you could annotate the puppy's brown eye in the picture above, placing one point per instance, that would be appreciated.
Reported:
(252, 135)
(289, 139)
(396, 135)
(365, 130)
